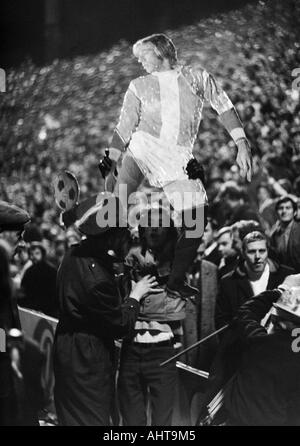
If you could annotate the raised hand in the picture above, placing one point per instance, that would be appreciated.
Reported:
(244, 158)
(144, 286)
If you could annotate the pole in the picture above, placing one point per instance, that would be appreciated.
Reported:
(194, 345)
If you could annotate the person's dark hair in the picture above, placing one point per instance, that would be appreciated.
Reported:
(266, 186)
(244, 227)
(224, 230)
(164, 47)
(286, 199)
(255, 236)
(40, 246)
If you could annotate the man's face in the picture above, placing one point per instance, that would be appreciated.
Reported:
(236, 241)
(256, 255)
(263, 194)
(208, 234)
(22, 256)
(285, 212)
(200, 251)
(156, 237)
(225, 245)
(147, 57)
(36, 255)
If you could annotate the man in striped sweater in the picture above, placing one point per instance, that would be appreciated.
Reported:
(142, 382)
(158, 125)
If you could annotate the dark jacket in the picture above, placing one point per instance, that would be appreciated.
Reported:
(235, 289)
(9, 318)
(200, 310)
(89, 299)
(292, 257)
(91, 317)
(229, 354)
(214, 256)
(265, 389)
(38, 285)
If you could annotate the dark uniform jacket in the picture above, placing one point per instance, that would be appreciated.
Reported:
(91, 317)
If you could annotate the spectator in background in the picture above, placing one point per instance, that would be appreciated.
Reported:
(297, 217)
(211, 252)
(296, 184)
(285, 238)
(9, 318)
(23, 262)
(39, 282)
(240, 229)
(228, 254)
(21, 394)
(237, 208)
(213, 188)
(266, 206)
(286, 185)
(200, 310)
(198, 259)
(257, 274)
(60, 247)
(199, 323)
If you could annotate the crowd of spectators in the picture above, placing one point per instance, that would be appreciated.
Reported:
(61, 117)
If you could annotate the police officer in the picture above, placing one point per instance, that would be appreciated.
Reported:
(92, 314)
